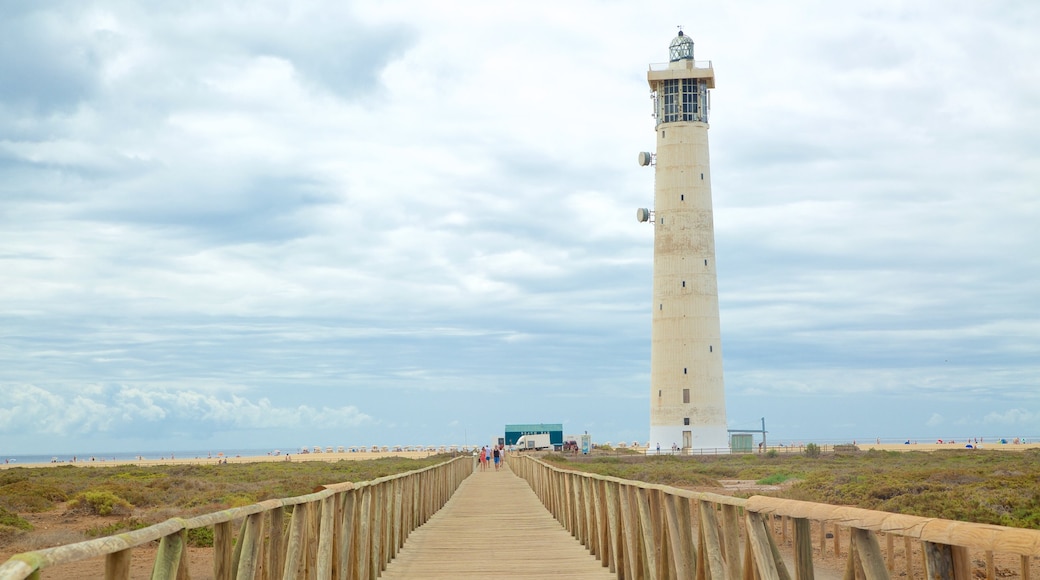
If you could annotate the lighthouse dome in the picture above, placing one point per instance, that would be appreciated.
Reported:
(681, 48)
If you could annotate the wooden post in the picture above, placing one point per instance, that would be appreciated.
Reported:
(709, 537)
(326, 537)
(599, 493)
(683, 559)
(276, 552)
(223, 547)
(236, 554)
(297, 536)
(870, 556)
(763, 561)
(117, 565)
(617, 561)
(890, 548)
(631, 532)
(646, 527)
(250, 540)
(781, 568)
(823, 540)
(961, 562)
(938, 561)
(803, 564)
(750, 571)
(731, 542)
(908, 555)
(310, 561)
(376, 519)
(837, 541)
(168, 559)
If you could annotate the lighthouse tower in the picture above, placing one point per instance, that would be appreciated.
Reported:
(687, 394)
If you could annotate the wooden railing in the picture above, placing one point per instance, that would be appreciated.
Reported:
(642, 530)
(346, 530)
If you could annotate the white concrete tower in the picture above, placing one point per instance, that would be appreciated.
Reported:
(687, 394)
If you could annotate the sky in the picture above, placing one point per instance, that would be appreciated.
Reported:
(256, 224)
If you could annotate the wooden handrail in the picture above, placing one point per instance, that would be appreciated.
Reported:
(643, 530)
(346, 530)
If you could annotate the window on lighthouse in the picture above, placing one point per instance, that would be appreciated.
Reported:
(689, 100)
(670, 101)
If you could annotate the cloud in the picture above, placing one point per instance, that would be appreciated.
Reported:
(126, 411)
(1012, 418)
(262, 214)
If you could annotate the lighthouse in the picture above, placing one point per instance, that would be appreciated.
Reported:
(687, 393)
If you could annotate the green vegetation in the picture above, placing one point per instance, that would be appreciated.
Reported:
(125, 525)
(993, 487)
(774, 479)
(812, 450)
(143, 496)
(99, 502)
(200, 537)
(13, 521)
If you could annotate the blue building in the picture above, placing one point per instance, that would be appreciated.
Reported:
(555, 431)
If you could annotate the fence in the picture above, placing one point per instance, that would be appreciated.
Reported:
(346, 530)
(642, 530)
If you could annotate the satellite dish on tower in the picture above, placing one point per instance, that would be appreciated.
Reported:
(642, 215)
(645, 158)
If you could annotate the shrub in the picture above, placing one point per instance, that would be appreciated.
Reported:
(100, 502)
(13, 520)
(812, 450)
(772, 454)
(201, 537)
(129, 524)
(774, 479)
(29, 496)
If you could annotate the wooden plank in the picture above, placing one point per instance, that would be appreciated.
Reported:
(758, 537)
(295, 547)
(326, 538)
(803, 564)
(250, 540)
(938, 561)
(223, 546)
(870, 557)
(168, 559)
(275, 551)
(630, 533)
(682, 553)
(715, 563)
(494, 527)
(117, 565)
(731, 542)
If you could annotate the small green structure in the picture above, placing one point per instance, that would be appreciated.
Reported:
(555, 431)
(741, 442)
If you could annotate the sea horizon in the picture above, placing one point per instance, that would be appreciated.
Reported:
(125, 456)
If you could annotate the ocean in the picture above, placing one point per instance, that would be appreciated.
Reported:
(123, 457)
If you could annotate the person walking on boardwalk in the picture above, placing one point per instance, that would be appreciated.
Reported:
(483, 458)
(496, 454)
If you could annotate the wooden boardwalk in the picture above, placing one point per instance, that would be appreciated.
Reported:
(494, 527)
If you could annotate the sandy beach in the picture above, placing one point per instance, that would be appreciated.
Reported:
(215, 460)
(346, 456)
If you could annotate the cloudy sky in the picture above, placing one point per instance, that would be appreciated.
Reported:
(275, 224)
